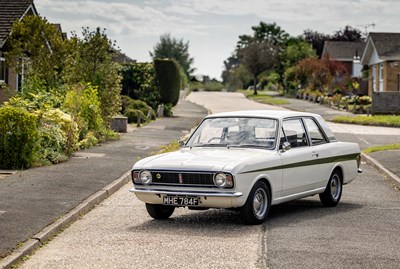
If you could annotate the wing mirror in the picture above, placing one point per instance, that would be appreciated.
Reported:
(181, 143)
(286, 146)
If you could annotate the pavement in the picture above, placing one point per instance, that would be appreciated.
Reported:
(38, 203)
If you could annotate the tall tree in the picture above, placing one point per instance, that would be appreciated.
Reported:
(37, 44)
(268, 32)
(91, 62)
(172, 48)
(258, 57)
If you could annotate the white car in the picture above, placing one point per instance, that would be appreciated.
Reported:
(248, 160)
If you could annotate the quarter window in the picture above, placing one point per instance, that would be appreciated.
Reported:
(315, 132)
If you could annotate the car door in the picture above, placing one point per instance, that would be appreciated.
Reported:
(320, 147)
(300, 163)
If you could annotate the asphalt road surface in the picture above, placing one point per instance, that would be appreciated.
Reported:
(361, 232)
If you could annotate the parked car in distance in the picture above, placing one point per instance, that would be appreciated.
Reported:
(248, 161)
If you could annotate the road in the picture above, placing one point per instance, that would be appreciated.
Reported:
(361, 232)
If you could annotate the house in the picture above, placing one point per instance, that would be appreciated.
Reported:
(347, 53)
(10, 11)
(382, 56)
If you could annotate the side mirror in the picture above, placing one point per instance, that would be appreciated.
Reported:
(286, 146)
(181, 143)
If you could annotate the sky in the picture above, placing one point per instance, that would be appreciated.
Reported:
(212, 27)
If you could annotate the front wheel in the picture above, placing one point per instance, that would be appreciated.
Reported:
(331, 196)
(160, 211)
(256, 208)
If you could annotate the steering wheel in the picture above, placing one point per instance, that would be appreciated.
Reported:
(214, 138)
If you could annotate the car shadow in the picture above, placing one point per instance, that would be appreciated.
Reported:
(228, 221)
(304, 210)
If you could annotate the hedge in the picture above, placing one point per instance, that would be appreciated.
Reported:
(168, 79)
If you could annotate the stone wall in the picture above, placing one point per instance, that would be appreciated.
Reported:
(386, 103)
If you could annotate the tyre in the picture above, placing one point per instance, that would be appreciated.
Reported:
(331, 196)
(160, 211)
(256, 208)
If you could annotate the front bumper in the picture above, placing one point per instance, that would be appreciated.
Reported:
(207, 199)
(187, 193)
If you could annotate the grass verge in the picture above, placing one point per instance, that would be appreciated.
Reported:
(377, 120)
(264, 98)
(380, 148)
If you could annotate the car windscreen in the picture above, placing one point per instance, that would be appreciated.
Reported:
(235, 132)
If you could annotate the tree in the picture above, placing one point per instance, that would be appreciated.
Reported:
(347, 34)
(172, 48)
(264, 32)
(91, 61)
(229, 64)
(258, 57)
(37, 47)
(295, 51)
(316, 39)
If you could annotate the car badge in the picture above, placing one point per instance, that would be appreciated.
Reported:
(180, 179)
(158, 176)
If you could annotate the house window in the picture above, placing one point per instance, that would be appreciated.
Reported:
(398, 82)
(3, 71)
(374, 78)
(381, 77)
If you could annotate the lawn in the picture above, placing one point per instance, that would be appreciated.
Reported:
(263, 97)
(380, 148)
(377, 120)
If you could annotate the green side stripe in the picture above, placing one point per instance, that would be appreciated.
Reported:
(341, 158)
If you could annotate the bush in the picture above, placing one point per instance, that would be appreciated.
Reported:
(18, 138)
(58, 136)
(138, 83)
(134, 114)
(168, 79)
(133, 108)
(83, 103)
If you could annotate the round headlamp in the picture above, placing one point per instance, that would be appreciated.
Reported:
(222, 180)
(145, 177)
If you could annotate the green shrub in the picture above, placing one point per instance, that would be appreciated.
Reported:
(58, 136)
(132, 108)
(168, 110)
(18, 138)
(168, 79)
(138, 83)
(134, 114)
(83, 103)
(88, 141)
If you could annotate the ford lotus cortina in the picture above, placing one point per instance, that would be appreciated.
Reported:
(248, 161)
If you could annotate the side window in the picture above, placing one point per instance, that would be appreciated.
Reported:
(295, 133)
(315, 132)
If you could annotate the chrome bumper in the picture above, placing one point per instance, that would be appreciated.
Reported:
(187, 193)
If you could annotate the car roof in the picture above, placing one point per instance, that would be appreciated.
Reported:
(276, 114)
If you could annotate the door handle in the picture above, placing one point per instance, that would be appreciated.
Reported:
(315, 154)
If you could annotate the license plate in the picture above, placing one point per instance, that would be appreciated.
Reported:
(180, 200)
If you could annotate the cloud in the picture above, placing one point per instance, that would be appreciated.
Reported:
(120, 17)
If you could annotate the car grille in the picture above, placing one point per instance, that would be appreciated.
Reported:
(182, 178)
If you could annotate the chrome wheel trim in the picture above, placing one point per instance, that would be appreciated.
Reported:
(260, 203)
(336, 187)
